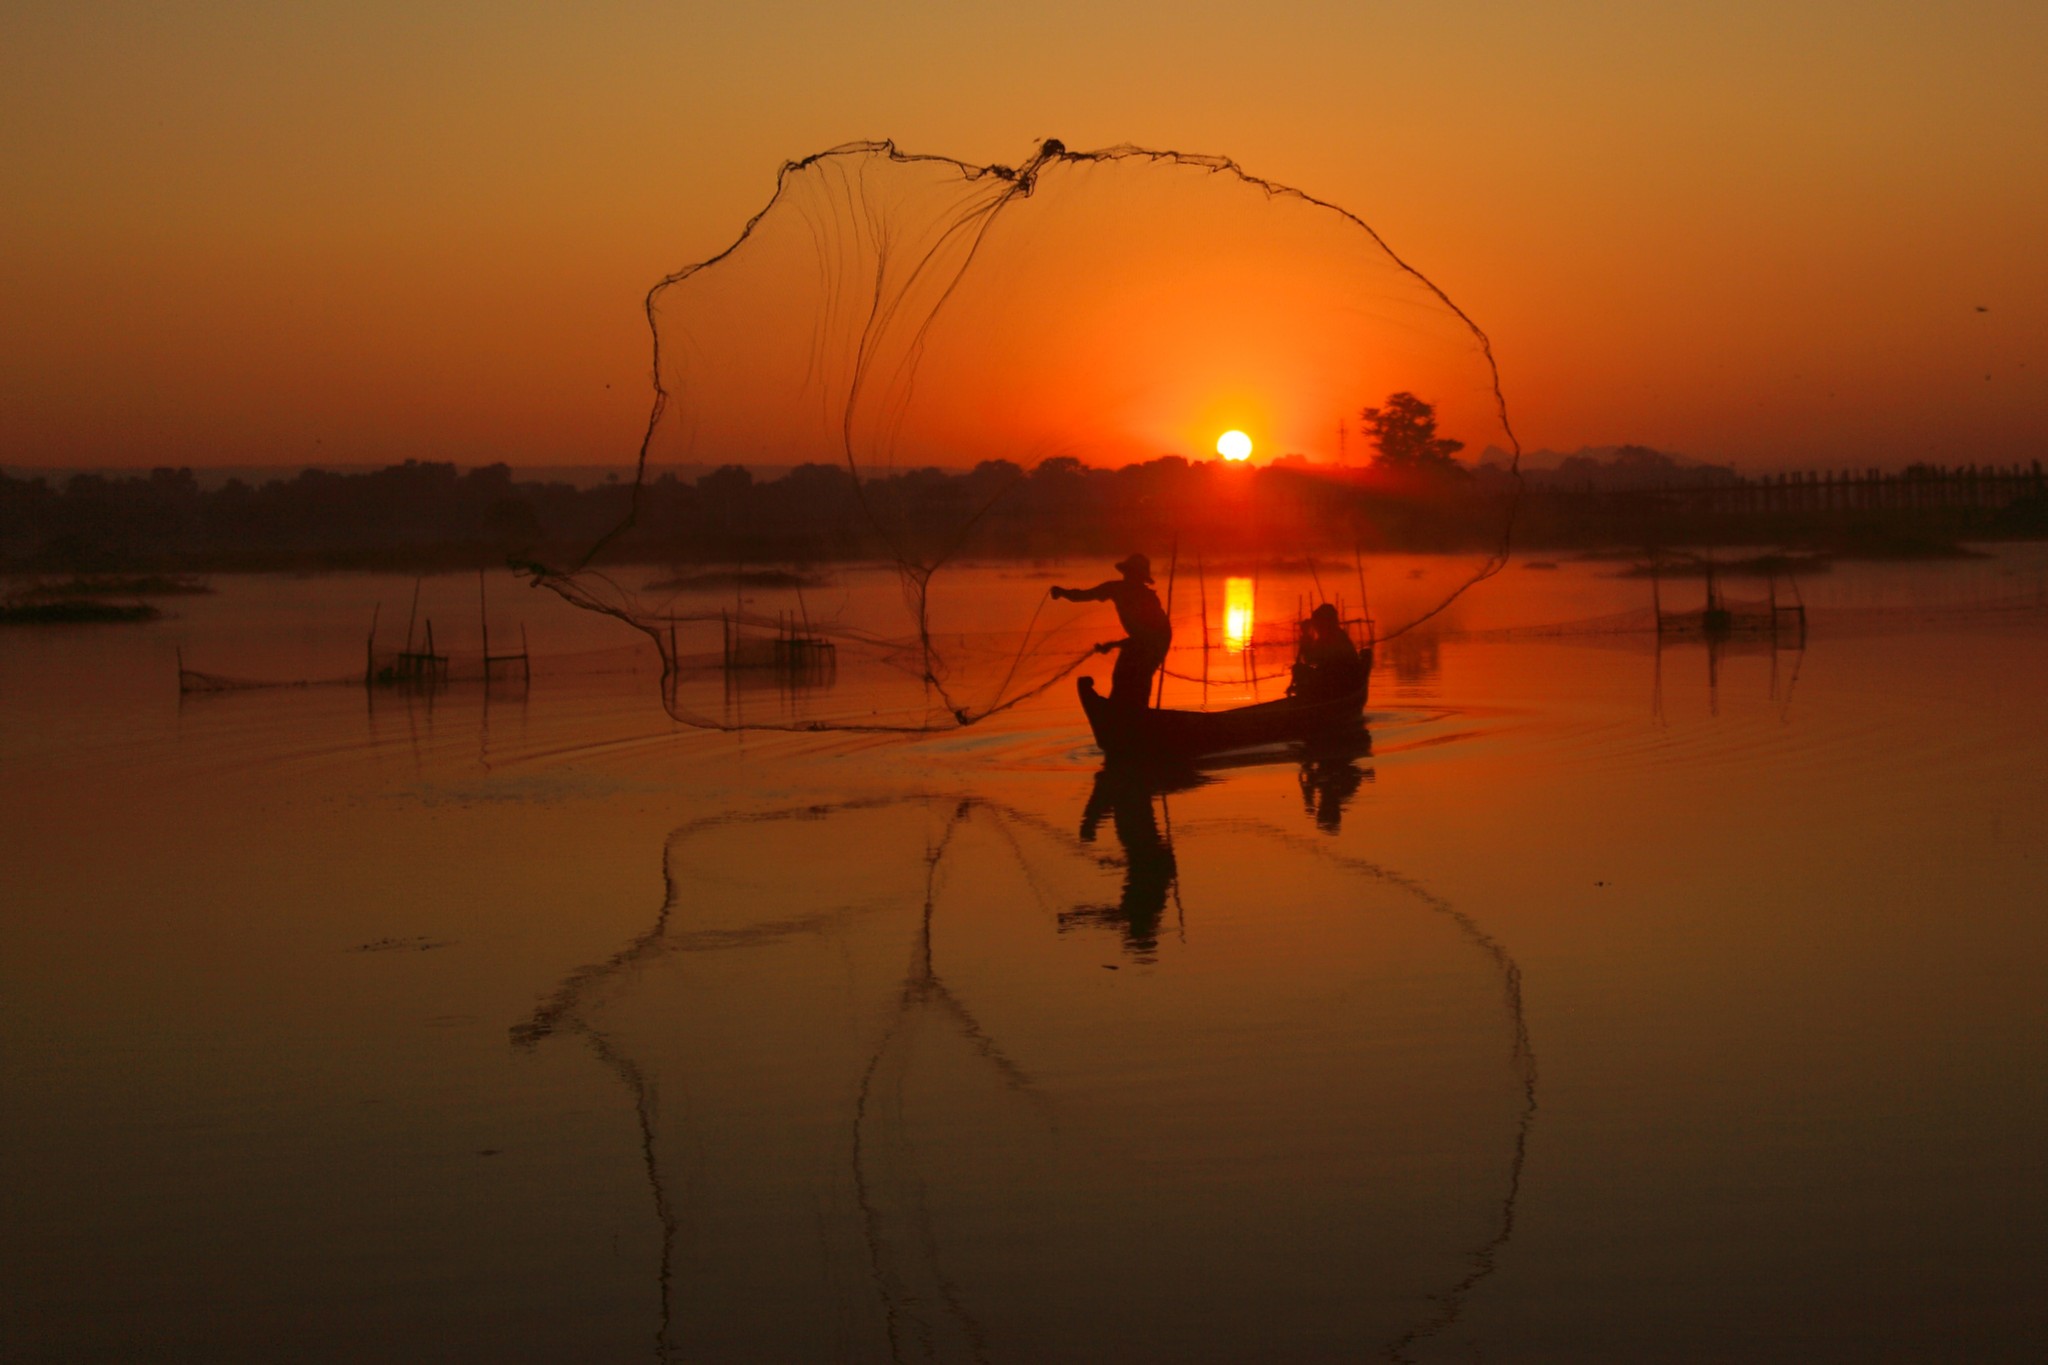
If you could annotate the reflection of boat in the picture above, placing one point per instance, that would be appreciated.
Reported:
(1124, 793)
(1155, 734)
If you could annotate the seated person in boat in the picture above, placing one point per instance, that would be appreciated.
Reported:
(1327, 665)
(1148, 632)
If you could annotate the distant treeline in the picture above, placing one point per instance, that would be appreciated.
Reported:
(427, 515)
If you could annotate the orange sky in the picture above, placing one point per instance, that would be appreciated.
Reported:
(349, 233)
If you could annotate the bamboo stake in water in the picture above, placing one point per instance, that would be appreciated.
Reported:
(370, 647)
(1364, 603)
(414, 616)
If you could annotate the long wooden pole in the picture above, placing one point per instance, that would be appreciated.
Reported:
(1172, 567)
(1251, 639)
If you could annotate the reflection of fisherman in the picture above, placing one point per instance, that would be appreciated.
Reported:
(1327, 665)
(1147, 630)
(1148, 861)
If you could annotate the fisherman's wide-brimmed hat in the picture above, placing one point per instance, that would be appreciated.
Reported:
(1138, 566)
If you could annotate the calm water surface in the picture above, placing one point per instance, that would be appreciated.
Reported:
(1615, 1004)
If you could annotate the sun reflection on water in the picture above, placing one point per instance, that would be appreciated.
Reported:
(1238, 598)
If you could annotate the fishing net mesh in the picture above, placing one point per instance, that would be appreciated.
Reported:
(889, 315)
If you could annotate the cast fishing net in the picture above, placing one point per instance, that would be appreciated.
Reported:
(940, 352)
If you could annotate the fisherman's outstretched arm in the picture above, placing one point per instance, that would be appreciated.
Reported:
(1101, 592)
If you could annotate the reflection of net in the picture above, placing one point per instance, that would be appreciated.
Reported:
(902, 1111)
(888, 313)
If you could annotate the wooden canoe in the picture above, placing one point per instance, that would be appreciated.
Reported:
(1155, 735)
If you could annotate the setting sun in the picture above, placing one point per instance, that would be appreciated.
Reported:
(1234, 445)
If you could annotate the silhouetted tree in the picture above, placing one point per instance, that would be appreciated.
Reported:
(1403, 435)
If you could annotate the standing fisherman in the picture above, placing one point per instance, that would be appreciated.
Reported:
(1148, 632)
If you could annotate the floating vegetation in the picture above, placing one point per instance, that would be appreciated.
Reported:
(737, 578)
(82, 600)
(116, 585)
(74, 611)
(1250, 566)
(415, 943)
(1780, 564)
(193, 680)
(1866, 541)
